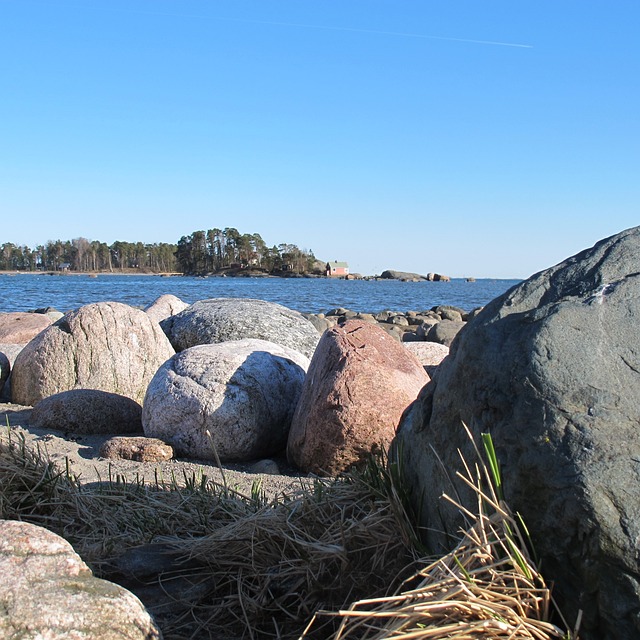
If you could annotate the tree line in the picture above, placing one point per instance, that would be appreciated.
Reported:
(199, 252)
(81, 254)
(217, 249)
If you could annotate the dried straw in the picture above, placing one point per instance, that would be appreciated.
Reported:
(487, 587)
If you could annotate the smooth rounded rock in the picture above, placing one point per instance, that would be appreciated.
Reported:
(235, 398)
(19, 328)
(88, 411)
(444, 332)
(48, 592)
(164, 307)
(223, 319)
(359, 382)
(106, 345)
(430, 354)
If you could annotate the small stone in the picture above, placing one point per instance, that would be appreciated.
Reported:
(266, 467)
(139, 449)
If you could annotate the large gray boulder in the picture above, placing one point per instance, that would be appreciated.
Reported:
(551, 370)
(224, 319)
(107, 345)
(238, 396)
(48, 592)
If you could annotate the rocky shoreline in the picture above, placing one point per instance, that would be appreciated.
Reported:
(425, 334)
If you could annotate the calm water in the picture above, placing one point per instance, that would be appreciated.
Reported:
(23, 292)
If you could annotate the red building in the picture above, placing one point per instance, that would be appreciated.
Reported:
(336, 268)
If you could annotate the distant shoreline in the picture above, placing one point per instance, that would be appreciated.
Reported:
(89, 274)
(175, 274)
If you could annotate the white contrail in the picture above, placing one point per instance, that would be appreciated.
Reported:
(401, 34)
(383, 33)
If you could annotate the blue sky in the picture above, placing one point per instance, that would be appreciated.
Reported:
(486, 139)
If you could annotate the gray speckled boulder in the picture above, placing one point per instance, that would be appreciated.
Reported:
(88, 411)
(242, 392)
(224, 319)
(551, 369)
(444, 331)
(48, 592)
(107, 345)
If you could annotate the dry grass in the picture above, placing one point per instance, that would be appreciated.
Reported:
(248, 567)
(487, 587)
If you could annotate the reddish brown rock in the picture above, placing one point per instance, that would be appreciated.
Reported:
(359, 382)
(20, 328)
(139, 449)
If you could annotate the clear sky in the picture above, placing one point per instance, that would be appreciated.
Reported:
(486, 139)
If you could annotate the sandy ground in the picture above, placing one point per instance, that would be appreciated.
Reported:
(80, 453)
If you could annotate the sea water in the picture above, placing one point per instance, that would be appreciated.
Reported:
(26, 291)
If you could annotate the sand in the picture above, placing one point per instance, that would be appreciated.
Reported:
(80, 454)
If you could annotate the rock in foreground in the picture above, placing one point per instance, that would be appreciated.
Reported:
(48, 592)
(551, 370)
(359, 382)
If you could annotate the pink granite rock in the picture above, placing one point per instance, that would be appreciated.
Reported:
(430, 354)
(18, 327)
(164, 307)
(108, 346)
(359, 382)
(48, 592)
